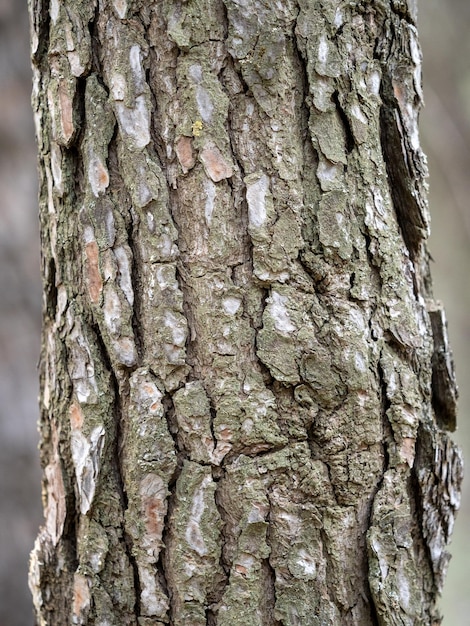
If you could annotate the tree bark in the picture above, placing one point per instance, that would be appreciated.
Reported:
(245, 379)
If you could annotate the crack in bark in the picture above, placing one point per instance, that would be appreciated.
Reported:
(387, 436)
(349, 136)
(417, 503)
(218, 473)
(270, 570)
(120, 393)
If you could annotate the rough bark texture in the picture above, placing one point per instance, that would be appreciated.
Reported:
(245, 378)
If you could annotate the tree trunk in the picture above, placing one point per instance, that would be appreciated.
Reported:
(245, 379)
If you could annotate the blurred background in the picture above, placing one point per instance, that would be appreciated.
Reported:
(445, 133)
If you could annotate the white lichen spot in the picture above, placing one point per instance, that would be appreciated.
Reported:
(210, 191)
(193, 533)
(291, 522)
(374, 82)
(195, 73)
(125, 351)
(150, 222)
(98, 176)
(135, 122)
(372, 219)
(414, 136)
(392, 385)
(358, 114)
(306, 564)
(247, 426)
(323, 49)
(34, 578)
(124, 275)
(414, 45)
(86, 457)
(56, 167)
(150, 596)
(135, 64)
(328, 172)
(279, 313)
(360, 362)
(88, 234)
(177, 325)
(256, 199)
(244, 564)
(404, 592)
(54, 8)
(121, 8)
(165, 277)
(178, 328)
(118, 86)
(76, 66)
(322, 93)
(339, 18)
(204, 104)
(81, 368)
(110, 228)
(358, 321)
(112, 310)
(258, 513)
(61, 302)
(231, 305)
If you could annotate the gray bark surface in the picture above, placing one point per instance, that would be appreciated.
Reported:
(245, 379)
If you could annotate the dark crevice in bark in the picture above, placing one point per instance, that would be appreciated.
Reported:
(417, 503)
(402, 11)
(170, 417)
(120, 393)
(79, 122)
(431, 491)
(70, 531)
(161, 566)
(348, 134)
(270, 571)
(137, 306)
(50, 288)
(40, 18)
(157, 142)
(218, 475)
(96, 65)
(268, 378)
(191, 340)
(387, 438)
(396, 155)
(302, 68)
(444, 386)
(216, 594)
(387, 433)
